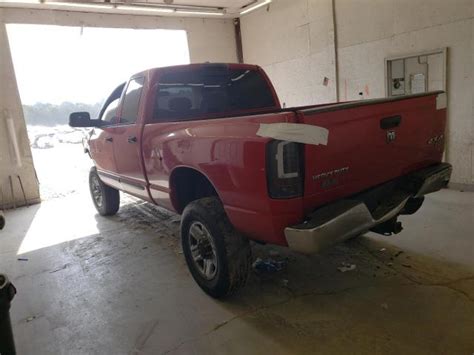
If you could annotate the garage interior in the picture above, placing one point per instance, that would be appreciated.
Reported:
(88, 284)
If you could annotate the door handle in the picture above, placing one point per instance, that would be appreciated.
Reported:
(132, 139)
(109, 139)
(390, 122)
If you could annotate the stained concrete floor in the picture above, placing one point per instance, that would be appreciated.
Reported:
(94, 285)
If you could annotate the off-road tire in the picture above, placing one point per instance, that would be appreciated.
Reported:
(110, 202)
(232, 250)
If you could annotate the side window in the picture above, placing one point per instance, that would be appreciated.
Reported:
(110, 113)
(131, 100)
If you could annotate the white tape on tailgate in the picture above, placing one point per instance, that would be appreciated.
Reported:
(441, 101)
(294, 132)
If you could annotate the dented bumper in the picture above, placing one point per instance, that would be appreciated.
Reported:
(347, 218)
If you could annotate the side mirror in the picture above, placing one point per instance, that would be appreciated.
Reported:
(83, 119)
(80, 119)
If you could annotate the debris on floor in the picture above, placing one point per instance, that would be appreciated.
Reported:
(274, 253)
(22, 259)
(383, 249)
(398, 253)
(65, 266)
(269, 265)
(175, 220)
(221, 324)
(347, 267)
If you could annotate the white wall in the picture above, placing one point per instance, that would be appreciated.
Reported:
(209, 40)
(293, 41)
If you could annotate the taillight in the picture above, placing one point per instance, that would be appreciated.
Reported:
(284, 169)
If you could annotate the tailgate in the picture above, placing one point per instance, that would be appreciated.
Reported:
(371, 142)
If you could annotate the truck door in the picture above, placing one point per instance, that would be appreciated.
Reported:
(127, 141)
(102, 140)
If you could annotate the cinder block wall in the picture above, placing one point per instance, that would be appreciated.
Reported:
(208, 39)
(294, 42)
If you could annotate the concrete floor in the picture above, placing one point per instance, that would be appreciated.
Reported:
(94, 285)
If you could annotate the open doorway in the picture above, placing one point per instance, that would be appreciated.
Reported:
(62, 69)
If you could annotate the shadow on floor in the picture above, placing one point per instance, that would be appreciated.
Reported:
(120, 285)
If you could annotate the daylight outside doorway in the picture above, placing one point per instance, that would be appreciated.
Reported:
(62, 69)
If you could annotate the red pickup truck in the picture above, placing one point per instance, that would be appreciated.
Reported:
(212, 142)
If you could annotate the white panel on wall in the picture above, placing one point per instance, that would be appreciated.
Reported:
(416, 73)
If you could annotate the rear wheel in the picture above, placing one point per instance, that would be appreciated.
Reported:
(106, 199)
(218, 257)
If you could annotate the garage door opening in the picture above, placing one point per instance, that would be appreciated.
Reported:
(62, 69)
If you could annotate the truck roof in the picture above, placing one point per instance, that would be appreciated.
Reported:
(152, 71)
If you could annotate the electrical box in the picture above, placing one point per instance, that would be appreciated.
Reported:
(417, 73)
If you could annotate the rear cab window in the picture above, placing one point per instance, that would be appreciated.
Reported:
(210, 91)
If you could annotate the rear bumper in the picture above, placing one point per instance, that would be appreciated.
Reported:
(349, 217)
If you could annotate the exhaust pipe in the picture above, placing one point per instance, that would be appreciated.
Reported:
(392, 226)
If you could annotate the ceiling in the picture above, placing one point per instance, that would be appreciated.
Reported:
(199, 8)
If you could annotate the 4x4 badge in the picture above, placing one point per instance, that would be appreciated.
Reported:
(391, 135)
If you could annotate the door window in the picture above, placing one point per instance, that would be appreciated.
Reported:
(131, 101)
(110, 113)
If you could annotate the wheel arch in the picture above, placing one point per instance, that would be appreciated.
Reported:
(188, 184)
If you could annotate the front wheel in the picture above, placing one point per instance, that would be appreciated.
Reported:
(106, 199)
(217, 256)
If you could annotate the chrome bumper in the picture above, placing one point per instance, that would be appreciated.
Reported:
(347, 218)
